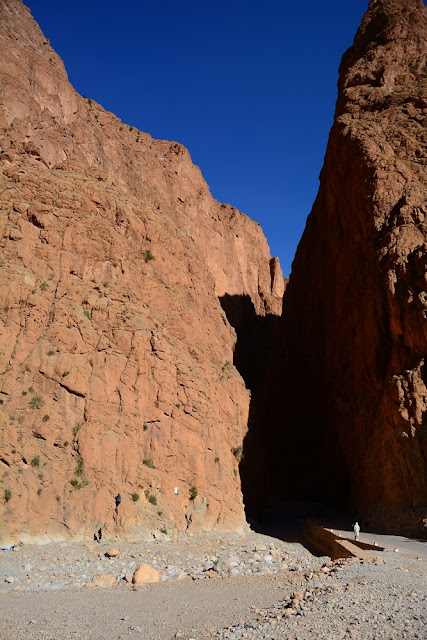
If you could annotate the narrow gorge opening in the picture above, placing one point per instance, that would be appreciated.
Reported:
(291, 468)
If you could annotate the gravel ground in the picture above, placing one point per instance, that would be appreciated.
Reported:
(212, 585)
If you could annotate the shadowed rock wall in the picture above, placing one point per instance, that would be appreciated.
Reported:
(354, 326)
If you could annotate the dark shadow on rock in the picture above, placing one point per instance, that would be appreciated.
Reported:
(289, 470)
(256, 338)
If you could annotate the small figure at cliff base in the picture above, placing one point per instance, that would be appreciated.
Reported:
(98, 536)
(118, 500)
(356, 529)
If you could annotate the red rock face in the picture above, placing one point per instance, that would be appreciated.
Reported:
(356, 305)
(117, 367)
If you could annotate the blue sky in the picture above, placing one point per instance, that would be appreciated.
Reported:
(249, 87)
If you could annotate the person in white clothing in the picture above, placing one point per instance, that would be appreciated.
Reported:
(356, 530)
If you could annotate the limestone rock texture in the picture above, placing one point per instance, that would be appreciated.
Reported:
(116, 355)
(354, 323)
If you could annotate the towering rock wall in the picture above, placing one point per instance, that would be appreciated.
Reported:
(116, 356)
(354, 325)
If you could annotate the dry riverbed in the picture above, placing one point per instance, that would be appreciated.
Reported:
(211, 585)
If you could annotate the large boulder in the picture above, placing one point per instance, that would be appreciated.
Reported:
(145, 573)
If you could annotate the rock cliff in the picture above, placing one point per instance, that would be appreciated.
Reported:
(117, 369)
(138, 314)
(354, 325)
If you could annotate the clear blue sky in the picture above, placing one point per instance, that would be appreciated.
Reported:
(249, 87)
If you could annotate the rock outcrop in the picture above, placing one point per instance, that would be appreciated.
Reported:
(354, 325)
(117, 366)
(138, 314)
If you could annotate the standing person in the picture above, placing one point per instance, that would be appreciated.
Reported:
(99, 534)
(356, 530)
(118, 500)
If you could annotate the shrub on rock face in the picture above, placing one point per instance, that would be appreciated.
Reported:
(147, 255)
(237, 452)
(135, 497)
(7, 495)
(193, 493)
(80, 466)
(36, 402)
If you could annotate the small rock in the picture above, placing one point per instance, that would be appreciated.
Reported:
(145, 573)
(224, 564)
(10, 579)
(112, 553)
(104, 580)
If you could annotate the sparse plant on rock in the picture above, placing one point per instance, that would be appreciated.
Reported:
(226, 365)
(7, 495)
(193, 492)
(135, 497)
(80, 466)
(36, 402)
(150, 497)
(44, 286)
(35, 462)
(237, 453)
(147, 255)
(77, 484)
(149, 463)
(46, 417)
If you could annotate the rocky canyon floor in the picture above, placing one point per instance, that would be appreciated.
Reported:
(210, 585)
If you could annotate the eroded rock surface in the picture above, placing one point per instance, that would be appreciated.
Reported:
(117, 359)
(356, 304)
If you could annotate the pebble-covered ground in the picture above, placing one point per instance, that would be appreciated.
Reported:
(222, 586)
(72, 565)
(385, 598)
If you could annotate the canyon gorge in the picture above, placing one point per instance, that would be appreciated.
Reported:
(149, 343)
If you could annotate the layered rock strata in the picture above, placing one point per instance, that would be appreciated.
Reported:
(354, 327)
(117, 367)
